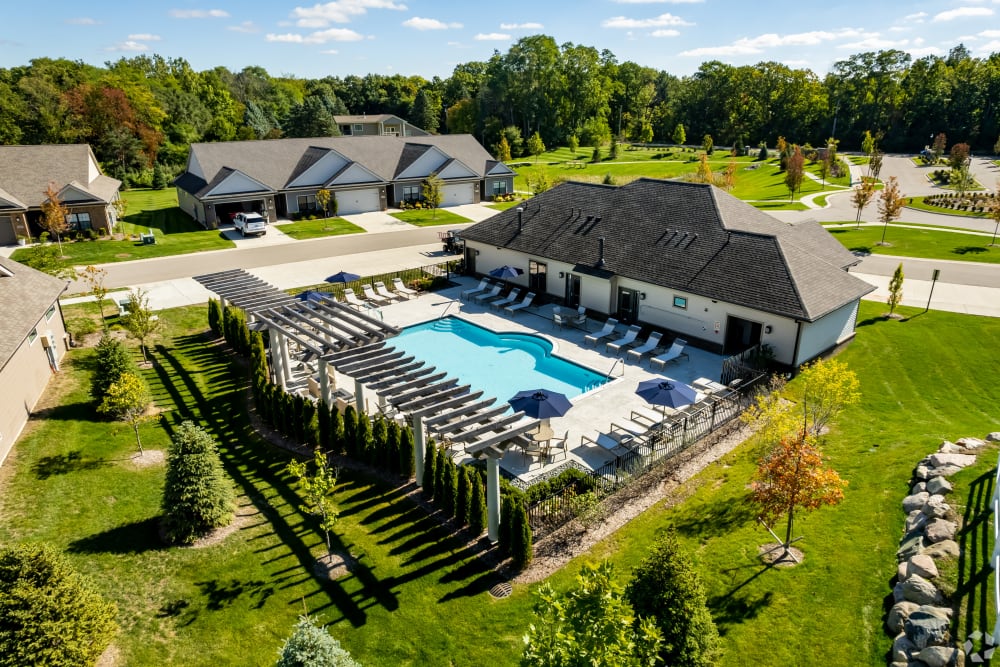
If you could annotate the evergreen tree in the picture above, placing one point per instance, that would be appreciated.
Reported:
(310, 425)
(680, 135)
(440, 475)
(159, 177)
(450, 487)
(312, 646)
(393, 442)
(406, 452)
(323, 425)
(197, 494)
(336, 430)
(596, 156)
(463, 498)
(49, 614)
(520, 535)
(112, 360)
(477, 507)
(506, 510)
(426, 113)
(573, 143)
(380, 442)
(430, 470)
(351, 431)
(363, 439)
(666, 588)
(311, 119)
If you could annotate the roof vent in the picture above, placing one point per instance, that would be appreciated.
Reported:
(600, 251)
(520, 218)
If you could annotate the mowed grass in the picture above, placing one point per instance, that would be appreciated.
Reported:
(314, 229)
(417, 597)
(920, 204)
(926, 242)
(921, 383)
(430, 217)
(176, 233)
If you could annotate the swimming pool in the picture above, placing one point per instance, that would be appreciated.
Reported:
(499, 364)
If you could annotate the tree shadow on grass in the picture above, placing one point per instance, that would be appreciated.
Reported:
(974, 567)
(63, 464)
(220, 594)
(131, 538)
(735, 607)
(715, 519)
(968, 250)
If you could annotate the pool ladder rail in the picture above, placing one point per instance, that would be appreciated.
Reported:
(615, 365)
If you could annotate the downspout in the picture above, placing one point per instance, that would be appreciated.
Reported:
(798, 339)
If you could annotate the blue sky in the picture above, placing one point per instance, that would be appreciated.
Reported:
(429, 38)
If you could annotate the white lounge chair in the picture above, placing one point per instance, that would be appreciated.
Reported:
(651, 344)
(521, 306)
(675, 352)
(492, 294)
(352, 299)
(609, 328)
(624, 341)
(373, 297)
(514, 295)
(400, 288)
(484, 285)
(382, 291)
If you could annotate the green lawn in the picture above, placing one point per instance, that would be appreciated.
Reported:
(504, 205)
(927, 242)
(429, 218)
(314, 229)
(176, 233)
(921, 382)
(417, 597)
(919, 204)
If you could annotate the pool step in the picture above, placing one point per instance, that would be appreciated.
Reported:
(446, 324)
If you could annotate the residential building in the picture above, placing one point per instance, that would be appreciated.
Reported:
(377, 125)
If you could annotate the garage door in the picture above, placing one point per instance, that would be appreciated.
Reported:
(357, 201)
(453, 195)
(7, 235)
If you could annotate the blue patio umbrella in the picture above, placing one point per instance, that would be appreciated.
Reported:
(540, 403)
(314, 295)
(666, 393)
(504, 272)
(343, 277)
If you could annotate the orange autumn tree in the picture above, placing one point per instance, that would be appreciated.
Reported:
(793, 476)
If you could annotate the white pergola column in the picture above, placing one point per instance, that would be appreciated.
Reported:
(277, 374)
(222, 302)
(359, 397)
(493, 499)
(286, 363)
(324, 383)
(418, 448)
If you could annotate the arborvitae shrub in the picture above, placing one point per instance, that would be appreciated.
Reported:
(450, 487)
(298, 418)
(477, 507)
(506, 510)
(323, 425)
(406, 447)
(520, 536)
(392, 438)
(112, 360)
(363, 444)
(336, 430)
(350, 431)
(380, 442)
(215, 317)
(310, 428)
(463, 498)
(430, 470)
(258, 353)
(440, 474)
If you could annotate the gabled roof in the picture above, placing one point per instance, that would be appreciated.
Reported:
(684, 236)
(25, 172)
(367, 118)
(27, 294)
(275, 162)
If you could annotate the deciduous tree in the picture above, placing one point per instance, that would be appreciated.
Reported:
(863, 194)
(959, 156)
(53, 219)
(323, 197)
(573, 143)
(937, 148)
(433, 192)
(794, 170)
(895, 288)
(535, 146)
(127, 400)
(140, 321)
(197, 494)
(704, 173)
(94, 277)
(890, 204)
(679, 135)
(316, 489)
(707, 144)
(829, 387)
(503, 149)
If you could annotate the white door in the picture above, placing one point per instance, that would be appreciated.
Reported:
(357, 201)
(460, 193)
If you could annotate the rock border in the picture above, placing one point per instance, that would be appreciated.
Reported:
(920, 618)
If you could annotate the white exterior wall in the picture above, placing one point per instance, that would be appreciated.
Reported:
(824, 333)
(190, 205)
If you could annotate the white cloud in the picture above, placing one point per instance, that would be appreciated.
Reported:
(419, 23)
(755, 45)
(989, 34)
(318, 37)
(144, 37)
(491, 37)
(199, 13)
(873, 42)
(655, 22)
(717, 51)
(916, 18)
(521, 26)
(665, 32)
(961, 13)
(129, 45)
(82, 20)
(925, 51)
(989, 47)
(330, 52)
(247, 27)
(340, 11)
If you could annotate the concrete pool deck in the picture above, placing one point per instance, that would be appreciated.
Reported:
(592, 412)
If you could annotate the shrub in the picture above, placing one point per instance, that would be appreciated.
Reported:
(49, 614)
(336, 430)
(215, 316)
(112, 361)
(440, 474)
(363, 439)
(477, 504)
(520, 535)
(430, 470)
(310, 645)
(450, 487)
(350, 430)
(462, 498)
(197, 495)
(380, 442)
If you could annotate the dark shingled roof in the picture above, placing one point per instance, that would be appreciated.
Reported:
(25, 295)
(25, 172)
(275, 162)
(684, 236)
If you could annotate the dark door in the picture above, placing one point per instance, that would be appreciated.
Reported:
(628, 305)
(572, 290)
(470, 261)
(741, 335)
(537, 274)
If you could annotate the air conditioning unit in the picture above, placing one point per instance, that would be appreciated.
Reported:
(48, 339)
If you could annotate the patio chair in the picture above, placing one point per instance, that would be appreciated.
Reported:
(373, 297)
(489, 296)
(580, 320)
(675, 352)
(352, 299)
(382, 291)
(521, 306)
(651, 344)
(559, 444)
(609, 328)
(534, 449)
(558, 319)
(514, 295)
(400, 288)
(484, 285)
(624, 341)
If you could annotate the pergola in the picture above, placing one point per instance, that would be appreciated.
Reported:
(333, 334)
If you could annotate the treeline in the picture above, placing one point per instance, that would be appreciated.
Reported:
(140, 111)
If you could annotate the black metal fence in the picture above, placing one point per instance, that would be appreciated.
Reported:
(416, 278)
(715, 417)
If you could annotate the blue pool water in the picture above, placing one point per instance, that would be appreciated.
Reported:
(499, 364)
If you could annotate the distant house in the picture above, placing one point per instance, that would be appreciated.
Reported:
(32, 343)
(684, 257)
(25, 174)
(377, 125)
(279, 178)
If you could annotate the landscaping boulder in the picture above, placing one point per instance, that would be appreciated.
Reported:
(918, 487)
(939, 530)
(936, 507)
(959, 460)
(915, 520)
(919, 590)
(921, 472)
(911, 545)
(948, 447)
(945, 549)
(902, 648)
(922, 565)
(898, 615)
(938, 486)
(937, 656)
(970, 443)
(926, 627)
(915, 502)
(993, 437)
(943, 471)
